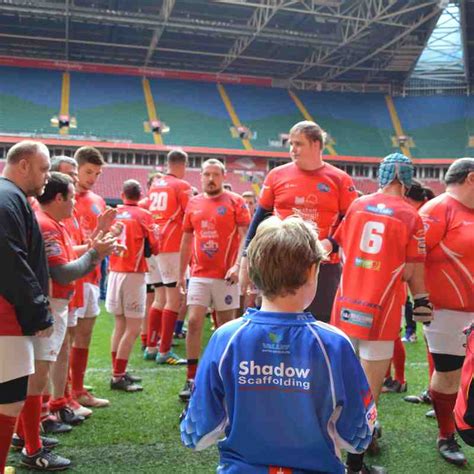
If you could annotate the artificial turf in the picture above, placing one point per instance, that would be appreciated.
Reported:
(139, 432)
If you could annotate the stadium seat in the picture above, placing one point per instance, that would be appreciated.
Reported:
(109, 107)
(29, 98)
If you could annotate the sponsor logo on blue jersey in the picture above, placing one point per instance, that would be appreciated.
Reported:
(281, 375)
(222, 210)
(275, 344)
(380, 209)
(323, 187)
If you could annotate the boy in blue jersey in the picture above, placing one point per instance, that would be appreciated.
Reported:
(281, 392)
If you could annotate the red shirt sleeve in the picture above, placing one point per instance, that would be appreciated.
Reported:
(242, 214)
(435, 224)
(267, 196)
(184, 195)
(416, 247)
(54, 246)
(347, 194)
(187, 224)
(338, 235)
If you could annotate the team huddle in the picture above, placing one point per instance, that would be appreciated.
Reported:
(325, 275)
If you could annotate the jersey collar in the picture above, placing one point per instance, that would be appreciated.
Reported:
(283, 318)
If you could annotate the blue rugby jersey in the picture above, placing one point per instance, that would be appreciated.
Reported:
(279, 389)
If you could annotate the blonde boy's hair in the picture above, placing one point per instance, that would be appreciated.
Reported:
(281, 254)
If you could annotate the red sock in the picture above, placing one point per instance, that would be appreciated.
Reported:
(120, 367)
(58, 403)
(443, 404)
(78, 364)
(30, 417)
(191, 369)
(7, 426)
(399, 357)
(45, 412)
(155, 317)
(114, 356)
(19, 429)
(389, 370)
(430, 362)
(144, 338)
(167, 330)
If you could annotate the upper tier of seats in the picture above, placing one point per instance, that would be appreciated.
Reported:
(194, 112)
(28, 100)
(439, 126)
(113, 107)
(108, 106)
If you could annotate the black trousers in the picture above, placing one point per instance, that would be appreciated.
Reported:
(328, 281)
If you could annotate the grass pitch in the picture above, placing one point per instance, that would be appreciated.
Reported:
(139, 432)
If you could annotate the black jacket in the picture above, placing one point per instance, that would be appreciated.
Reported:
(24, 308)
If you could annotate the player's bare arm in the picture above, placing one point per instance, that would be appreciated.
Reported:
(185, 251)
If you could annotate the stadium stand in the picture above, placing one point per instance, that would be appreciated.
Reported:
(109, 107)
(358, 123)
(439, 126)
(112, 107)
(194, 112)
(28, 98)
(266, 112)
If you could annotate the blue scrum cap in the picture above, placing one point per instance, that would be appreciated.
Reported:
(396, 166)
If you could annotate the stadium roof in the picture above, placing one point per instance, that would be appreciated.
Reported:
(300, 43)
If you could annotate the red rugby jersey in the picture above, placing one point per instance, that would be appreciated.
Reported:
(59, 250)
(138, 226)
(464, 408)
(168, 198)
(88, 208)
(378, 236)
(449, 274)
(74, 230)
(214, 222)
(322, 196)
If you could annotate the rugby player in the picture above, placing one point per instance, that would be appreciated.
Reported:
(89, 207)
(214, 230)
(168, 197)
(56, 204)
(126, 289)
(155, 291)
(314, 189)
(382, 240)
(449, 224)
(464, 408)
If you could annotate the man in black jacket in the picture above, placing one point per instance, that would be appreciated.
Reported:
(24, 308)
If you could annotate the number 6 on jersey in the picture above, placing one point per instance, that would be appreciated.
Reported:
(371, 240)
